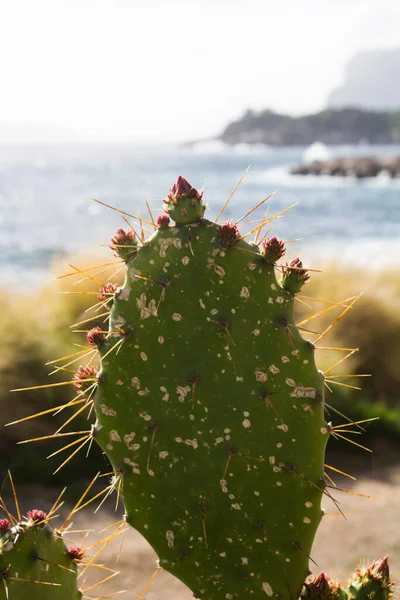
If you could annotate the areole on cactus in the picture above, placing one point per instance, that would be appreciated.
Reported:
(210, 408)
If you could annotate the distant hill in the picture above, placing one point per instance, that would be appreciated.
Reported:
(330, 126)
(371, 81)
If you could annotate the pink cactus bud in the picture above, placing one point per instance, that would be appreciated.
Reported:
(76, 553)
(378, 570)
(81, 375)
(319, 586)
(228, 234)
(163, 221)
(294, 276)
(104, 292)
(124, 244)
(182, 189)
(273, 249)
(36, 516)
(4, 525)
(96, 337)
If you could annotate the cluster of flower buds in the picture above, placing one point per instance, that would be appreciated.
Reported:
(273, 250)
(124, 244)
(82, 376)
(294, 276)
(228, 234)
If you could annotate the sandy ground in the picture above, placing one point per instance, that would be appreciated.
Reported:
(369, 530)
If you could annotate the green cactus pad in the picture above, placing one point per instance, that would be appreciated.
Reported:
(35, 563)
(210, 409)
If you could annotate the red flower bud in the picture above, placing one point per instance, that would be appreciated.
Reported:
(294, 276)
(96, 337)
(163, 221)
(81, 375)
(76, 553)
(124, 244)
(104, 292)
(273, 250)
(182, 189)
(228, 234)
(36, 516)
(4, 525)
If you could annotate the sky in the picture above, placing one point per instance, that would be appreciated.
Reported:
(122, 70)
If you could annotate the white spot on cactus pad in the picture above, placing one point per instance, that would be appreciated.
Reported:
(246, 423)
(304, 392)
(283, 427)
(252, 266)
(145, 416)
(120, 382)
(185, 260)
(165, 243)
(227, 595)
(214, 311)
(290, 382)
(124, 293)
(273, 369)
(114, 436)
(280, 299)
(261, 376)
(308, 504)
(256, 332)
(170, 538)
(271, 460)
(146, 311)
(270, 300)
(109, 412)
(324, 430)
(182, 392)
(244, 292)
(236, 506)
(219, 270)
(239, 379)
(285, 359)
(193, 443)
(267, 588)
(223, 554)
(306, 520)
(163, 454)
(177, 317)
(160, 339)
(202, 305)
(246, 413)
(273, 286)
(135, 382)
(134, 465)
(143, 356)
(256, 493)
(144, 392)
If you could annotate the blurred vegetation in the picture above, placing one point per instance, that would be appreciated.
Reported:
(37, 329)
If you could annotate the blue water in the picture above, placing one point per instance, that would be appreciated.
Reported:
(46, 211)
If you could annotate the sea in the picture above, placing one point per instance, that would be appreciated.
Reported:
(48, 213)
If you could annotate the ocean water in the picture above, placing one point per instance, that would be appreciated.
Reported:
(47, 214)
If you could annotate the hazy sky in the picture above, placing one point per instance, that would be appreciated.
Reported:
(176, 69)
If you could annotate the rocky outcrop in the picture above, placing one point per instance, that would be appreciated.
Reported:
(331, 127)
(358, 167)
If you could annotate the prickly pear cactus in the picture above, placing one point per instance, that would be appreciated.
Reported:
(371, 583)
(210, 407)
(35, 563)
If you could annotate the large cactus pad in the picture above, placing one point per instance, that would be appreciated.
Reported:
(211, 408)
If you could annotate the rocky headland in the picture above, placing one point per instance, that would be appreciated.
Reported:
(330, 126)
(358, 167)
